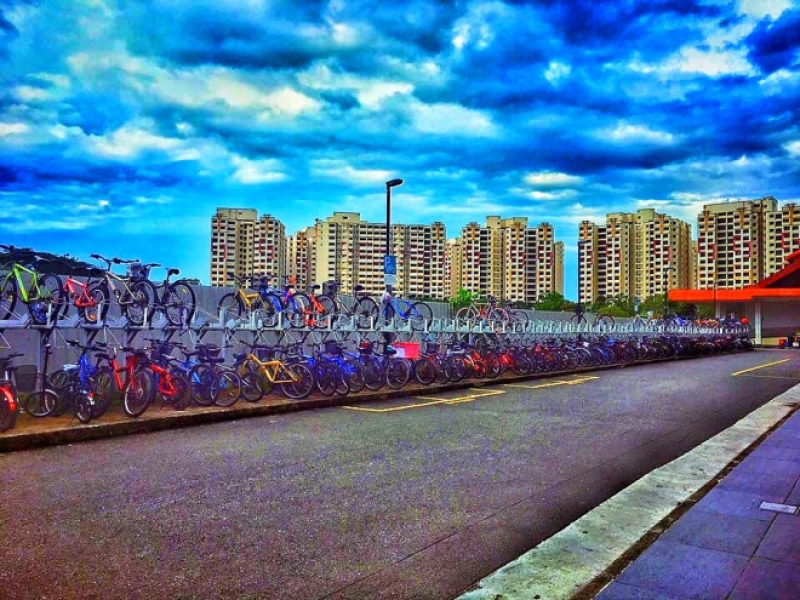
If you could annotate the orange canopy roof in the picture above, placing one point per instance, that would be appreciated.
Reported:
(783, 284)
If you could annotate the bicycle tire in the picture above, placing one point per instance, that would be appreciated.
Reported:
(466, 313)
(136, 303)
(498, 314)
(398, 372)
(374, 374)
(96, 311)
(327, 305)
(605, 320)
(298, 309)
(201, 378)
(231, 304)
(459, 369)
(103, 388)
(8, 417)
(365, 311)
(181, 398)
(180, 303)
(84, 407)
(326, 376)
(422, 314)
(303, 386)
(138, 394)
(519, 316)
(8, 297)
(251, 387)
(41, 402)
(60, 383)
(227, 388)
(355, 376)
(46, 299)
(424, 370)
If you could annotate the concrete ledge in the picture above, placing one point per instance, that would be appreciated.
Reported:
(153, 420)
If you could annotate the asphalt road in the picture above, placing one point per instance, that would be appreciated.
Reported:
(410, 498)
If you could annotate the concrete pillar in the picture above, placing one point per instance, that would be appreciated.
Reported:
(758, 322)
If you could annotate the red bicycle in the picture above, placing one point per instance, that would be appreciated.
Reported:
(163, 379)
(88, 300)
(115, 377)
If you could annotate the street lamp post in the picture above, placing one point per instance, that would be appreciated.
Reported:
(666, 288)
(389, 185)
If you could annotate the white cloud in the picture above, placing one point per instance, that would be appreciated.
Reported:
(370, 93)
(714, 63)
(253, 172)
(129, 141)
(12, 128)
(557, 72)
(338, 169)
(764, 8)
(793, 147)
(451, 119)
(551, 179)
(628, 133)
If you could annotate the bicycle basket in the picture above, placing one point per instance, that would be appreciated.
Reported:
(208, 352)
(138, 272)
(26, 378)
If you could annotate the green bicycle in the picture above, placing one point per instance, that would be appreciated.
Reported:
(42, 294)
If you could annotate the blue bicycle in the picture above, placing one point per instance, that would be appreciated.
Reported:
(75, 386)
(417, 313)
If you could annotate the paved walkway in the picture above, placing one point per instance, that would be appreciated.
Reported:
(720, 522)
(741, 541)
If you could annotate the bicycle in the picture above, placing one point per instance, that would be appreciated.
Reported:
(417, 313)
(38, 399)
(267, 301)
(579, 318)
(115, 378)
(484, 311)
(9, 400)
(260, 370)
(89, 301)
(41, 294)
(177, 299)
(171, 384)
(132, 296)
(75, 386)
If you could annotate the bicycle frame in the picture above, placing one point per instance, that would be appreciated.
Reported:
(16, 272)
(164, 380)
(271, 369)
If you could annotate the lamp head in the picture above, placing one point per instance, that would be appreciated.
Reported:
(394, 183)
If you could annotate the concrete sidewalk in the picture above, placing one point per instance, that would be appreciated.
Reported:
(740, 541)
(719, 522)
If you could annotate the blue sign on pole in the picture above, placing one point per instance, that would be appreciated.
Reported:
(389, 265)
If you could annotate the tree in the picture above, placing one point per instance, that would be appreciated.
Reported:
(463, 298)
(551, 301)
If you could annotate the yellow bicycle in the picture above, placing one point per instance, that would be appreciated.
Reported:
(260, 370)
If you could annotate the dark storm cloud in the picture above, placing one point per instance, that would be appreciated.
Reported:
(775, 45)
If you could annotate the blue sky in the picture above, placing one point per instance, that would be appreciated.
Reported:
(123, 125)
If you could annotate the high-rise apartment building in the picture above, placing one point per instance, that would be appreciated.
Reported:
(242, 244)
(740, 243)
(351, 251)
(635, 254)
(300, 257)
(509, 260)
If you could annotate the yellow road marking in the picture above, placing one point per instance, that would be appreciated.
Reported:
(552, 383)
(777, 362)
(435, 401)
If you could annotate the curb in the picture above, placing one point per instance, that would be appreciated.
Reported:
(152, 421)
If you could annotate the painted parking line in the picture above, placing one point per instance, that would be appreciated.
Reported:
(433, 401)
(769, 364)
(558, 382)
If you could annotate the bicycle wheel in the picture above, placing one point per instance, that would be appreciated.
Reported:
(424, 370)
(231, 305)
(84, 407)
(8, 417)
(605, 320)
(96, 306)
(8, 297)
(298, 310)
(420, 315)
(459, 368)
(355, 376)
(251, 387)
(398, 372)
(201, 380)
(104, 387)
(498, 315)
(41, 402)
(227, 388)
(138, 393)
(46, 299)
(60, 383)
(303, 386)
(180, 303)
(327, 376)
(327, 306)
(137, 304)
(365, 311)
(520, 317)
(374, 373)
(467, 313)
(180, 398)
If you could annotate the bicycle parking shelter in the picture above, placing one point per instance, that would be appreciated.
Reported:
(772, 306)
